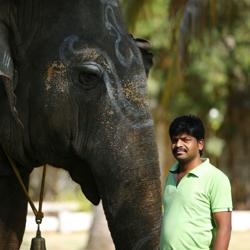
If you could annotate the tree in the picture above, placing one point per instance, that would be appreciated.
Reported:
(99, 238)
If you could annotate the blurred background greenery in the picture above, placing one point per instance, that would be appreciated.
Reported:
(201, 66)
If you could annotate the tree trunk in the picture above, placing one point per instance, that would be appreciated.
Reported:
(99, 235)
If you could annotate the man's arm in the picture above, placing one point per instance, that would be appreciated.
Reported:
(223, 230)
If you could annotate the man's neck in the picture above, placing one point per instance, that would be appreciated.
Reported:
(185, 167)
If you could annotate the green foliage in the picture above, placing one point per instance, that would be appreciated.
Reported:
(202, 66)
(195, 72)
(134, 10)
(214, 146)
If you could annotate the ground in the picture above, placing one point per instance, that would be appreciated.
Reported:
(59, 241)
(76, 241)
(240, 241)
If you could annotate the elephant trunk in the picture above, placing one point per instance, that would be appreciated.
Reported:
(134, 220)
(131, 193)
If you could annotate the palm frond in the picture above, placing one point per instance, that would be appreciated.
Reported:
(132, 10)
(189, 20)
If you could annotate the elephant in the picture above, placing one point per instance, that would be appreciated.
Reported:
(73, 95)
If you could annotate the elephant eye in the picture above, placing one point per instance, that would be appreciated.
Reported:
(89, 75)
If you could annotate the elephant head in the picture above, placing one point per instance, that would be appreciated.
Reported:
(73, 95)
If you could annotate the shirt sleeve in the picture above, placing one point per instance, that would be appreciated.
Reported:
(220, 194)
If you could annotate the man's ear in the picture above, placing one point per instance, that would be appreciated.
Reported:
(201, 144)
(7, 69)
(147, 55)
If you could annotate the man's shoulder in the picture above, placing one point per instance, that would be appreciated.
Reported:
(216, 170)
(216, 174)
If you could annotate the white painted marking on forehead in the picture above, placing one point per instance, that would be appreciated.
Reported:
(119, 35)
(6, 60)
(111, 2)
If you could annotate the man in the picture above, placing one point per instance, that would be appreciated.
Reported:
(197, 195)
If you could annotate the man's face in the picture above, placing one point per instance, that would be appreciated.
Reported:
(185, 148)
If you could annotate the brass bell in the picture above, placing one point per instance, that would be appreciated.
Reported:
(38, 243)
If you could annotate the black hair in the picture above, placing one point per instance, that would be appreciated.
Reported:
(190, 124)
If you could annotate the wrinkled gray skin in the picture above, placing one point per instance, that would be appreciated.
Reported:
(73, 95)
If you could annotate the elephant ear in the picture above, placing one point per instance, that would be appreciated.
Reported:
(7, 69)
(5, 167)
(147, 55)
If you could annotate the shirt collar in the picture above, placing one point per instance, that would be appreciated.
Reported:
(197, 171)
(174, 168)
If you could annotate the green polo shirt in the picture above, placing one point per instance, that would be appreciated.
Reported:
(188, 207)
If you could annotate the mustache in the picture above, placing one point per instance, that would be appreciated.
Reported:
(178, 149)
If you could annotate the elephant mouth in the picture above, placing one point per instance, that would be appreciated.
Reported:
(82, 174)
(127, 96)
